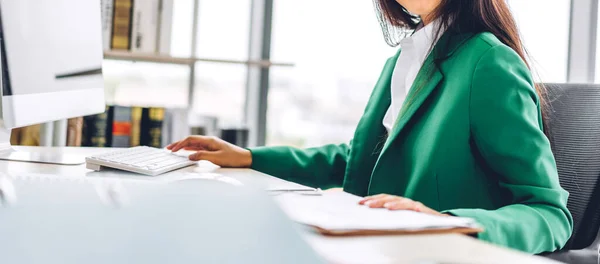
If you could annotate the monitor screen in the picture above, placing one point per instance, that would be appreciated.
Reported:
(51, 60)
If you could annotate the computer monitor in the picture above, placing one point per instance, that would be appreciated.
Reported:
(51, 53)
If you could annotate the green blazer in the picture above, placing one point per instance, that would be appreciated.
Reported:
(469, 141)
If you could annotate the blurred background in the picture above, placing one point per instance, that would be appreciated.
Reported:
(293, 73)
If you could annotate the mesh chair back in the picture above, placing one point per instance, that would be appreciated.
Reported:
(573, 126)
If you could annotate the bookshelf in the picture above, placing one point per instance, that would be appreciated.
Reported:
(191, 61)
(54, 131)
(156, 58)
(257, 61)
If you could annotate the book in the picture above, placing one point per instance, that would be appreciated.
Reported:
(107, 25)
(110, 113)
(144, 27)
(151, 127)
(26, 136)
(121, 34)
(165, 27)
(175, 125)
(180, 127)
(94, 130)
(136, 123)
(15, 136)
(74, 131)
(165, 131)
(121, 127)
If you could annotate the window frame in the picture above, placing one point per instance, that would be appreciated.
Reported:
(581, 58)
(581, 67)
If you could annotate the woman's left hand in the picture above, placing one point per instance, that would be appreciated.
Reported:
(392, 202)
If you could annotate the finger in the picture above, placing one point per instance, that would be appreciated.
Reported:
(369, 198)
(170, 146)
(194, 147)
(412, 206)
(190, 143)
(179, 145)
(202, 155)
(404, 204)
(378, 203)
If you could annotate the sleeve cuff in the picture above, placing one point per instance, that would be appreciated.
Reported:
(468, 213)
(259, 161)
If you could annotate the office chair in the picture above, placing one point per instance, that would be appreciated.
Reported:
(573, 126)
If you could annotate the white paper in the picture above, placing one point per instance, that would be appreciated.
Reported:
(340, 211)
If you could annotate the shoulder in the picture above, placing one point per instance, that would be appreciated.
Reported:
(485, 54)
(497, 56)
(470, 53)
(487, 39)
(484, 57)
(499, 71)
(486, 48)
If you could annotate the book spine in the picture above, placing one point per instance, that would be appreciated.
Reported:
(74, 131)
(121, 128)
(136, 123)
(165, 27)
(86, 137)
(121, 34)
(178, 127)
(26, 136)
(107, 22)
(165, 131)
(145, 23)
(108, 129)
(94, 130)
(15, 136)
(152, 119)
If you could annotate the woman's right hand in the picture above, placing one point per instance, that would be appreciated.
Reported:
(215, 150)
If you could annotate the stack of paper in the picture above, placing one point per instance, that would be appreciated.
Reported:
(340, 214)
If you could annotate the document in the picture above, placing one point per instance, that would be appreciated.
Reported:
(340, 211)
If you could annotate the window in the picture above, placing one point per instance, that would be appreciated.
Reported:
(223, 33)
(146, 84)
(223, 29)
(220, 92)
(181, 30)
(338, 57)
(545, 35)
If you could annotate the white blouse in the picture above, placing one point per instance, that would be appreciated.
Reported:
(415, 50)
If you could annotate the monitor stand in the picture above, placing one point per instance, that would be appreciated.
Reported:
(7, 152)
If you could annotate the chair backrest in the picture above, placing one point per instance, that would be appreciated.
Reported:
(573, 126)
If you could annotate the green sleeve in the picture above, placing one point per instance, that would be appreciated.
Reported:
(506, 128)
(322, 167)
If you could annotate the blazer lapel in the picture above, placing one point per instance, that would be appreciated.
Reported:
(427, 80)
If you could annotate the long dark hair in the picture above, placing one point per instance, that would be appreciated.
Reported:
(458, 17)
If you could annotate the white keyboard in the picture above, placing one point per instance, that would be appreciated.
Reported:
(143, 160)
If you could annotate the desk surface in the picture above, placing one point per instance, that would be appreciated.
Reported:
(449, 248)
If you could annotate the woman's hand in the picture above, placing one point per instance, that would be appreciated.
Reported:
(214, 150)
(392, 202)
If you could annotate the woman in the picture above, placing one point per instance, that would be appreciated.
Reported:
(453, 126)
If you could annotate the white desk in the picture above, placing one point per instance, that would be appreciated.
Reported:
(373, 249)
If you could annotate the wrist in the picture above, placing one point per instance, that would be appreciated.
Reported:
(246, 159)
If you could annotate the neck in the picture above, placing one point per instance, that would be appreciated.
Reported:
(426, 19)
